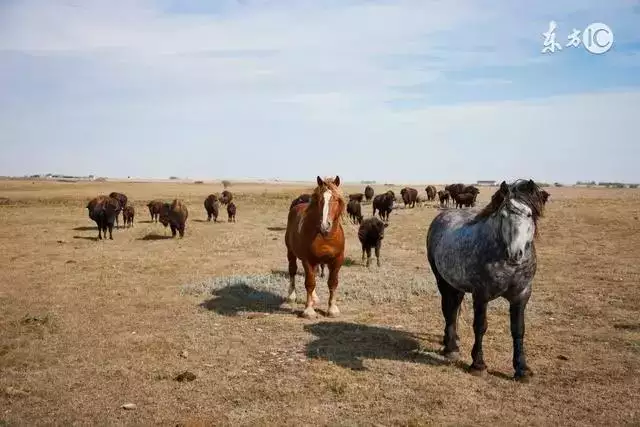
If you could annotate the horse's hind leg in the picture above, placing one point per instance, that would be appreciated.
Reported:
(293, 270)
(516, 311)
(479, 329)
(334, 268)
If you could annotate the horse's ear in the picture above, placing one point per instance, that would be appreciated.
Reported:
(504, 188)
(319, 180)
(337, 181)
(386, 224)
(532, 184)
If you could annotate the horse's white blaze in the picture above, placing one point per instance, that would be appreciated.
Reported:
(325, 210)
(518, 229)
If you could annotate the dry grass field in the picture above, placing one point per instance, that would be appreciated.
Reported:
(87, 326)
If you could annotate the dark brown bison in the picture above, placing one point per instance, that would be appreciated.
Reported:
(103, 210)
(123, 204)
(226, 197)
(127, 215)
(359, 197)
(383, 203)
(443, 196)
(354, 210)
(454, 189)
(465, 199)
(545, 196)
(155, 206)
(303, 198)
(174, 214)
(473, 190)
(212, 206)
(368, 193)
(409, 196)
(431, 192)
(370, 234)
(231, 212)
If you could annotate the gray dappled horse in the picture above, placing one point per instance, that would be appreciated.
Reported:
(490, 254)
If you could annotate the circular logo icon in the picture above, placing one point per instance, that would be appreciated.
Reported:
(597, 38)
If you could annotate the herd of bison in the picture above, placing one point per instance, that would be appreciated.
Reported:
(104, 210)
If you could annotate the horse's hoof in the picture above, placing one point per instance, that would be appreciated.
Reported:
(451, 355)
(333, 311)
(478, 372)
(291, 299)
(309, 313)
(523, 377)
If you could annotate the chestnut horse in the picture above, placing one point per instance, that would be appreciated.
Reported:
(315, 236)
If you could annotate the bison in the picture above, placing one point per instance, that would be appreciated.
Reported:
(231, 212)
(303, 198)
(409, 196)
(359, 197)
(104, 210)
(471, 189)
(431, 192)
(383, 203)
(175, 215)
(465, 199)
(155, 206)
(443, 196)
(123, 204)
(226, 197)
(127, 215)
(370, 234)
(354, 210)
(368, 193)
(211, 205)
(454, 189)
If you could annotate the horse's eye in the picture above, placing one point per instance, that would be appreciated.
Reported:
(529, 215)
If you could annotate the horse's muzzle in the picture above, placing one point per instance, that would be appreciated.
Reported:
(516, 257)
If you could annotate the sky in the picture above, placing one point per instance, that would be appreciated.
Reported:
(391, 91)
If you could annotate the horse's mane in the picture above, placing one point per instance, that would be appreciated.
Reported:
(522, 190)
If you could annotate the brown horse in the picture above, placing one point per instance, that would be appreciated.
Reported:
(315, 236)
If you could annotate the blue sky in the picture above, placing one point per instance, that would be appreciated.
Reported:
(402, 91)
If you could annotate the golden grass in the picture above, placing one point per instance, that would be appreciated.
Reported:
(88, 326)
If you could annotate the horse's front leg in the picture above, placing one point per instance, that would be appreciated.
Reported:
(310, 285)
(516, 311)
(334, 269)
(479, 328)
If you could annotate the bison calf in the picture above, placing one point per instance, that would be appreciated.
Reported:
(127, 215)
(370, 234)
(231, 212)
(444, 197)
(465, 199)
(175, 215)
(354, 210)
(155, 206)
(104, 210)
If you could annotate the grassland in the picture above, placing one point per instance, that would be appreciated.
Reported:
(87, 326)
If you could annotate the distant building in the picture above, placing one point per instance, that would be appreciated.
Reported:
(486, 182)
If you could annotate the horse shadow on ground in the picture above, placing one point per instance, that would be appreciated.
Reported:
(86, 228)
(233, 299)
(277, 228)
(348, 344)
(146, 222)
(204, 220)
(95, 239)
(155, 237)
